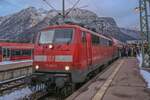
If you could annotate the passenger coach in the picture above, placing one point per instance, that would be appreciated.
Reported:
(15, 51)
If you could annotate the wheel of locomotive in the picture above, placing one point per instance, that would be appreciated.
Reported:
(67, 90)
(96, 71)
(71, 88)
(51, 88)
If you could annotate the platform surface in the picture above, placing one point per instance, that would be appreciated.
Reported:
(8, 65)
(122, 81)
(128, 84)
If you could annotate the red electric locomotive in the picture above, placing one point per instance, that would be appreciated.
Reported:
(15, 51)
(71, 52)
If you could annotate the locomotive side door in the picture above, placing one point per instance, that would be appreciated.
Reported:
(89, 48)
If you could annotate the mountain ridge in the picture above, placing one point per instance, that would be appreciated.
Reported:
(23, 25)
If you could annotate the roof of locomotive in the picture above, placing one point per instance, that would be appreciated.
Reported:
(17, 45)
(76, 26)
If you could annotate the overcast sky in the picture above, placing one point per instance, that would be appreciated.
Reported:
(121, 10)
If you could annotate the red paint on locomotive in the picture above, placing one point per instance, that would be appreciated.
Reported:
(73, 50)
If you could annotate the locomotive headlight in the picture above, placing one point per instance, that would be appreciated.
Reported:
(37, 67)
(67, 68)
(50, 46)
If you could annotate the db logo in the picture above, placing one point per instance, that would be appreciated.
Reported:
(51, 58)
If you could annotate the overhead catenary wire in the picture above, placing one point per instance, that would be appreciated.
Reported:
(71, 3)
(52, 7)
(72, 7)
(75, 4)
(84, 6)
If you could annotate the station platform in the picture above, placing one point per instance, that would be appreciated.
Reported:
(122, 81)
(9, 65)
(10, 70)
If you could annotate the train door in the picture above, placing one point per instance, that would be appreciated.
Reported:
(89, 48)
(6, 54)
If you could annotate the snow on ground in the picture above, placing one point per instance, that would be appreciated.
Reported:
(140, 59)
(13, 62)
(17, 94)
(146, 76)
(144, 73)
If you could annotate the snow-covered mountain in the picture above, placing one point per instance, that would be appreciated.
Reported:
(24, 25)
(133, 33)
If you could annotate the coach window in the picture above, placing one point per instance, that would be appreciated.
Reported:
(99, 40)
(104, 42)
(16, 52)
(83, 37)
(6, 53)
(13, 53)
(0, 50)
(110, 43)
(95, 39)
(26, 52)
(107, 42)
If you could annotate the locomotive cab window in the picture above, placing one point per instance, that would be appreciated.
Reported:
(56, 36)
(46, 37)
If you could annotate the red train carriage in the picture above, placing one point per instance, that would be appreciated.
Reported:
(15, 51)
(71, 52)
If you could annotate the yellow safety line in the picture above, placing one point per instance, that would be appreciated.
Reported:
(99, 95)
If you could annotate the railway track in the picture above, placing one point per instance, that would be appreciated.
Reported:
(36, 95)
(20, 83)
(13, 78)
(12, 84)
(39, 92)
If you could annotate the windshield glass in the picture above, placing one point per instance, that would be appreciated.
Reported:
(56, 36)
